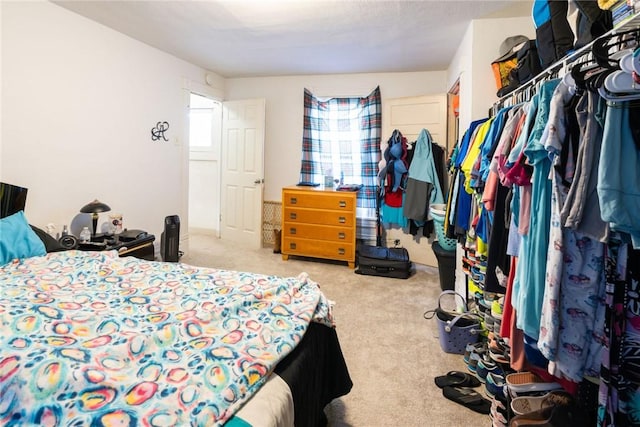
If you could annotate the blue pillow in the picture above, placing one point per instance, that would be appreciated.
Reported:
(17, 239)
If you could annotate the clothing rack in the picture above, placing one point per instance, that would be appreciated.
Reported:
(527, 90)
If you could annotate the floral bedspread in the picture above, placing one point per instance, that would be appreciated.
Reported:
(90, 339)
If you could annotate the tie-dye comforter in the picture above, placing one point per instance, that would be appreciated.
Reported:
(90, 339)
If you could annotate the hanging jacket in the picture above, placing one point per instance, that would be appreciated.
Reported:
(423, 185)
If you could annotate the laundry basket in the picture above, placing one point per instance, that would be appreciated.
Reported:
(438, 212)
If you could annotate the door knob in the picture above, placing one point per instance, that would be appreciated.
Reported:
(258, 181)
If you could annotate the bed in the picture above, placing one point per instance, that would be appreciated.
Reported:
(93, 339)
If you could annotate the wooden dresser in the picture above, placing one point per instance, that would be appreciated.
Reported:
(319, 223)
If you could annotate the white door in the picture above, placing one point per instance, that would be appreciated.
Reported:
(242, 171)
(411, 115)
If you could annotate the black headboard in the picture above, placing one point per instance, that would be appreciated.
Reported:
(12, 199)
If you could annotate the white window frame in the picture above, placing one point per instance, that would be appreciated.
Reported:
(211, 152)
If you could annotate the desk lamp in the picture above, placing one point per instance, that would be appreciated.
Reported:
(94, 208)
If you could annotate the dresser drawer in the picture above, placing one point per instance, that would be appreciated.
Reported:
(319, 223)
(319, 232)
(318, 248)
(320, 200)
(313, 216)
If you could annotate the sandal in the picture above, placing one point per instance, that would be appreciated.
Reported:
(468, 397)
(456, 378)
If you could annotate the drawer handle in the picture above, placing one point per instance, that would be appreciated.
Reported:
(292, 215)
(292, 245)
(292, 230)
(342, 219)
(341, 235)
(343, 204)
(294, 200)
(341, 251)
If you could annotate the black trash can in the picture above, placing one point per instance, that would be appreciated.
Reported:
(446, 266)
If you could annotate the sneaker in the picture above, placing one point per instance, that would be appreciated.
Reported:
(525, 404)
(524, 382)
(476, 274)
(485, 307)
(496, 325)
(479, 347)
(494, 384)
(496, 308)
(499, 411)
(497, 418)
(486, 365)
(499, 351)
(489, 322)
(474, 358)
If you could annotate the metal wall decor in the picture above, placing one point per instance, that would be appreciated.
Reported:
(159, 130)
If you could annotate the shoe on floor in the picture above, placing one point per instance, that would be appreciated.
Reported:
(496, 308)
(474, 358)
(552, 416)
(457, 379)
(524, 382)
(494, 385)
(468, 397)
(486, 365)
(479, 347)
(524, 404)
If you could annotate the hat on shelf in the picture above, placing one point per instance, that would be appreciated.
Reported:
(508, 47)
(505, 66)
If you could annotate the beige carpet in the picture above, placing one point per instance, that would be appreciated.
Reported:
(392, 352)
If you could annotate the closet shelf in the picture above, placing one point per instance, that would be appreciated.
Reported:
(633, 22)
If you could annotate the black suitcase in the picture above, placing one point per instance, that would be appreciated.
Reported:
(383, 262)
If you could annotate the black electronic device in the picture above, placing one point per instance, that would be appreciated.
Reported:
(170, 239)
(12, 199)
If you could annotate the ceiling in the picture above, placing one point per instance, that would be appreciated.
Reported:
(241, 38)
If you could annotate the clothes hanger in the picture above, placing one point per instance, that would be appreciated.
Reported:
(604, 49)
(633, 96)
(621, 84)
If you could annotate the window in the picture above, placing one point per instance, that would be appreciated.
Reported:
(204, 125)
(341, 138)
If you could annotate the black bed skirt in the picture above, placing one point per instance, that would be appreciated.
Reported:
(316, 373)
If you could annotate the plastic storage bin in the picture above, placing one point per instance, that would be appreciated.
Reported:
(438, 212)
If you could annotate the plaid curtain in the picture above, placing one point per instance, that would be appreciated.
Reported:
(337, 133)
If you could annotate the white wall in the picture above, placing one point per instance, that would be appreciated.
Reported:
(472, 64)
(285, 107)
(79, 101)
(461, 69)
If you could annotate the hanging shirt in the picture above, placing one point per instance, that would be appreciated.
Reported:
(462, 200)
(618, 177)
(534, 245)
(423, 185)
(581, 212)
(473, 152)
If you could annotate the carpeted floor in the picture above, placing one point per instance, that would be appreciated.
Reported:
(392, 352)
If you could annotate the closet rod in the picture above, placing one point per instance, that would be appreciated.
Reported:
(632, 24)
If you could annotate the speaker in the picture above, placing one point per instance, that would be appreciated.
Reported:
(68, 241)
(170, 239)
